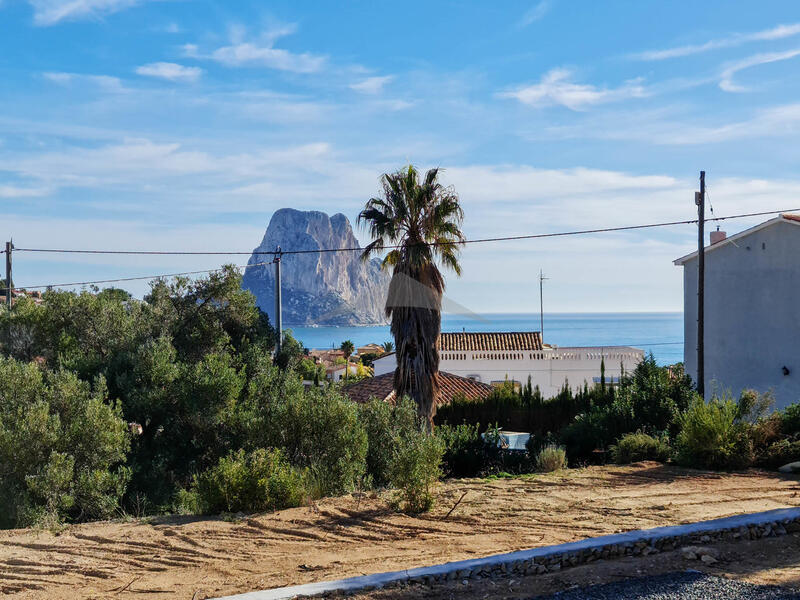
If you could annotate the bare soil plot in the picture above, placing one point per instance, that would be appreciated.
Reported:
(347, 536)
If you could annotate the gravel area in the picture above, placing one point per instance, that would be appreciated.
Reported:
(688, 585)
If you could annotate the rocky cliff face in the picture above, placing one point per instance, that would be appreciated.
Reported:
(328, 288)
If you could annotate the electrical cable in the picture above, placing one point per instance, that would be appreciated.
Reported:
(279, 253)
(142, 278)
(456, 243)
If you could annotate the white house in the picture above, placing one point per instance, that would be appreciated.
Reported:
(336, 372)
(494, 357)
(752, 310)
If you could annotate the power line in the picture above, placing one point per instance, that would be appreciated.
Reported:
(322, 250)
(473, 241)
(142, 278)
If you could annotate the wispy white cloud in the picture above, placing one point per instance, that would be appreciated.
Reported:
(663, 128)
(11, 191)
(371, 85)
(726, 80)
(50, 12)
(260, 51)
(533, 14)
(104, 82)
(774, 122)
(170, 71)
(557, 88)
(737, 39)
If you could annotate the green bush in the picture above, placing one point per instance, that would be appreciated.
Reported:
(790, 419)
(469, 452)
(591, 431)
(245, 482)
(780, 453)
(714, 436)
(415, 468)
(551, 458)
(401, 453)
(62, 446)
(653, 397)
(466, 453)
(318, 430)
(525, 410)
(634, 447)
(385, 424)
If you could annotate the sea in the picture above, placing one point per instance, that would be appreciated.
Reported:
(659, 333)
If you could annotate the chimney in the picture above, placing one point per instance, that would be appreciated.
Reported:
(717, 236)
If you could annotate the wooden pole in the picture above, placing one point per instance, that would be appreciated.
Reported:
(9, 248)
(701, 276)
(541, 304)
(278, 303)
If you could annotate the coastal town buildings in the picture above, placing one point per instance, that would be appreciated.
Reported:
(494, 357)
(752, 310)
(370, 349)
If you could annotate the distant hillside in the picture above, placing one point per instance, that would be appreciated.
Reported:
(329, 288)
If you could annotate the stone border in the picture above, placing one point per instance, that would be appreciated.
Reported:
(553, 558)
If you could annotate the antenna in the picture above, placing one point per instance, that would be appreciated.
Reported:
(542, 279)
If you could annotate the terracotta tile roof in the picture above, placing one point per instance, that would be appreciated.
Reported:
(449, 386)
(791, 217)
(481, 342)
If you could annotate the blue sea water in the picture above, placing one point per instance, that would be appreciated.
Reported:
(659, 333)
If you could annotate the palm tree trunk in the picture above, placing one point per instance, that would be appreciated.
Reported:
(416, 324)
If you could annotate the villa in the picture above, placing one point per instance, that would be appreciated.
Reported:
(752, 310)
(492, 358)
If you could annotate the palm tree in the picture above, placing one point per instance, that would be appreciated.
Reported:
(347, 347)
(420, 223)
(388, 347)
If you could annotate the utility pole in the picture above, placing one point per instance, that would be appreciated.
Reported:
(278, 303)
(541, 304)
(700, 200)
(9, 248)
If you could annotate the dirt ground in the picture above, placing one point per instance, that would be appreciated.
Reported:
(196, 558)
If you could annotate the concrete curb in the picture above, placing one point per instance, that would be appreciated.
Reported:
(551, 558)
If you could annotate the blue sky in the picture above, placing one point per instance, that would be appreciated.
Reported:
(185, 124)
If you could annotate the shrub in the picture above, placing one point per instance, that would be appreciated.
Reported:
(385, 424)
(245, 482)
(654, 397)
(780, 453)
(551, 458)
(62, 445)
(466, 453)
(790, 419)
(525, 411)
(415, 468)
(589, 432)
(318, 430)
(713, 436)
(633, 447)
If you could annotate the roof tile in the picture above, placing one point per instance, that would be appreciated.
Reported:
(494, 341)
(449, 386)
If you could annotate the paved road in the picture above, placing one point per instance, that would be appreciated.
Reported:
(689, 585)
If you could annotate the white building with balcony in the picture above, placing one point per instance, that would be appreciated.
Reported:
(494, 357)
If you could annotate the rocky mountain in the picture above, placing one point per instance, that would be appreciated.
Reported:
(328, 288)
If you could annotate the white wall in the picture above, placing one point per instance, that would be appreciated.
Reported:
(752, 314)
(549, 368)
